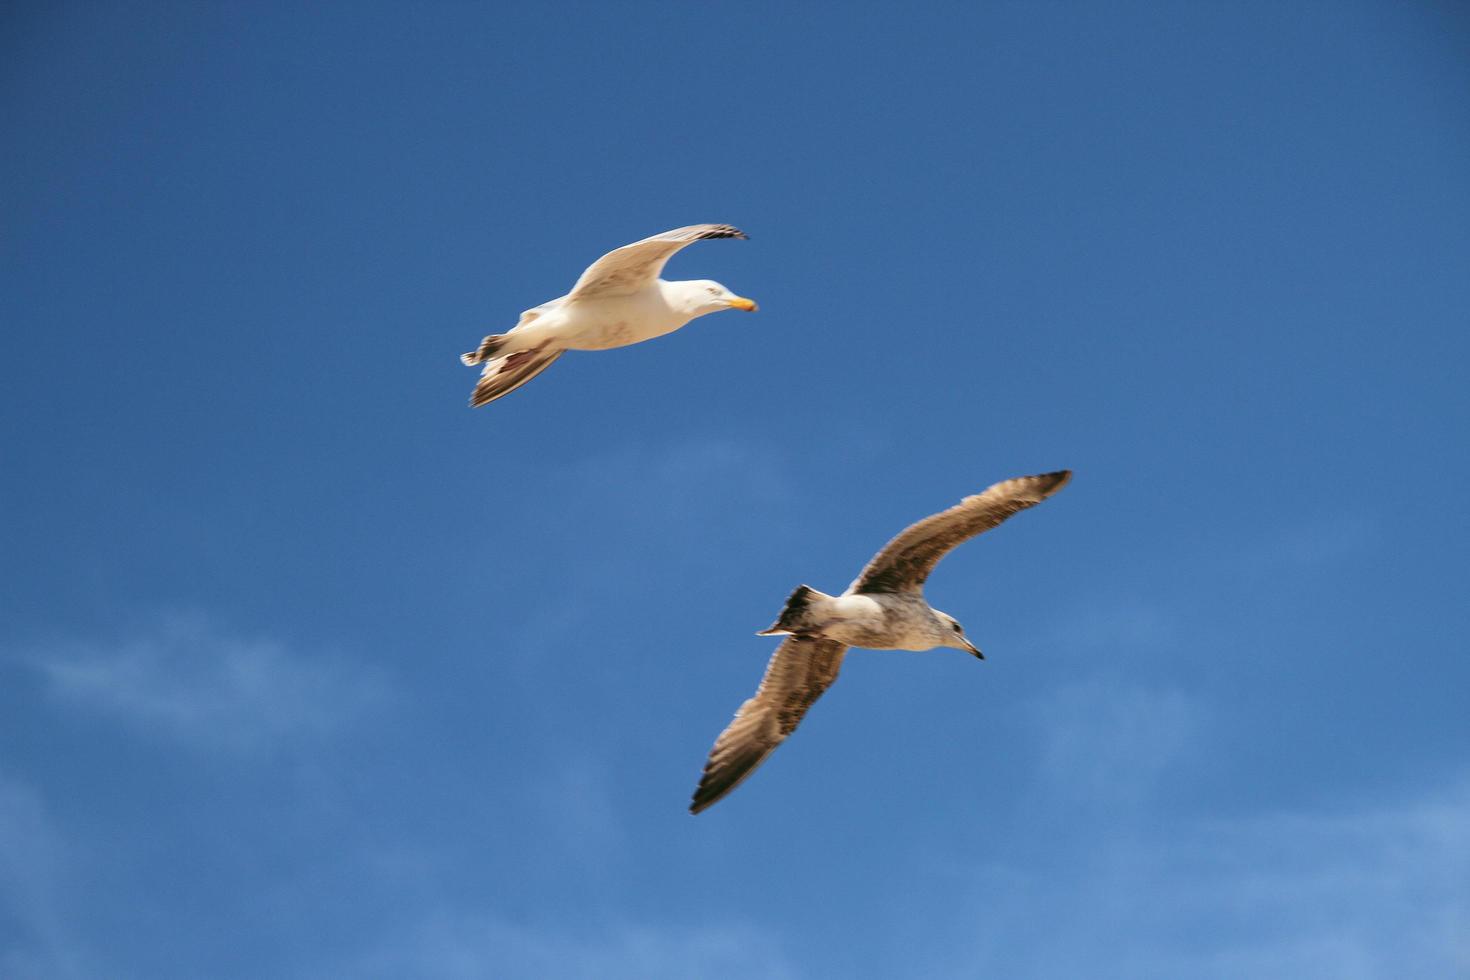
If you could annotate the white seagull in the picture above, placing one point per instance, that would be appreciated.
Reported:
(619, 300)
(883, 610)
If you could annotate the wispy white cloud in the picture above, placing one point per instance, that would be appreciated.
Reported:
(1378, 892)
(187, 679)
(433, 935)
(576, 804)
(684, 481)
(1137, 890)
(1127, 628)
(1311, 543)
(1103, 741)
(454, 946)
(34, 940)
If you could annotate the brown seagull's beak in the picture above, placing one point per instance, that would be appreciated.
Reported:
(972, 648)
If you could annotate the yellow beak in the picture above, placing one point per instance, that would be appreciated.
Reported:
(741, 303)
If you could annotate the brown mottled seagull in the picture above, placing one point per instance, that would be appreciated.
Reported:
(883, 610)
(619, 300)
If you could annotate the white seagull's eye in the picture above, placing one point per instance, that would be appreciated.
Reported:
(713, 291)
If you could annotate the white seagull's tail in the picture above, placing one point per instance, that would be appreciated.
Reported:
(794, 618)
(485, 351)
(505, 373)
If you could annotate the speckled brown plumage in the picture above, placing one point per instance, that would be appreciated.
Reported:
(883, 609)
(799, 672)
(905, 562)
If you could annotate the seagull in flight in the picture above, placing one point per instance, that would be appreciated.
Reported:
(619, 300)
(883, 610)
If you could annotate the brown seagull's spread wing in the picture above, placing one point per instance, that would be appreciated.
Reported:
(906, 561)
(798, 673)
(636, 266)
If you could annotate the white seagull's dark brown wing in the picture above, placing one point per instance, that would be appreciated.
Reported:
(906, 561)
(505, 374)
(797, 675)
(634, 267)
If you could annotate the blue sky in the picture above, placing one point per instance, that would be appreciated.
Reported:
(307, 670)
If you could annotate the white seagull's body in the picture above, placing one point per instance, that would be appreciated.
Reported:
(884, 609)
(620, 300)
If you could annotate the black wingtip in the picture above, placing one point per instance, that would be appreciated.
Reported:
(709, 792)
(725, 231)
(1056, 479)
(702, 800)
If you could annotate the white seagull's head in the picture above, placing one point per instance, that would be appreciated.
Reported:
(700, 296)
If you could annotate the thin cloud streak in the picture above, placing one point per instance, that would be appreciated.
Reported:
(34, 939)
(458, 946)
(187, 680)
(1377, 893)
(1109, 743)
(1134, 888)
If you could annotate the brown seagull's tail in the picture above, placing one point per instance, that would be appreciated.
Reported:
(793, 618)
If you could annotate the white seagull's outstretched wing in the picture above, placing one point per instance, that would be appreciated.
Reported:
(637, 266)
(798, 673)
(906, 561)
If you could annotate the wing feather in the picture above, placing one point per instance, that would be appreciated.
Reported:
(798, 673)
(506, 373)
(636, 266)
(906, 561)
